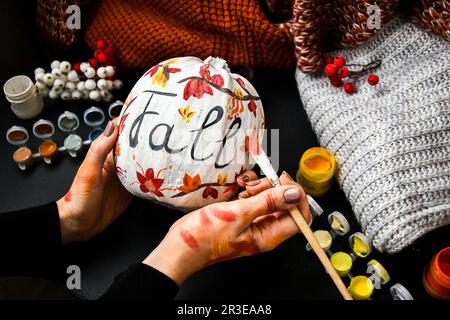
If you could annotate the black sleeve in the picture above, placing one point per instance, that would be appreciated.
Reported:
(30, 241)
(141, 282)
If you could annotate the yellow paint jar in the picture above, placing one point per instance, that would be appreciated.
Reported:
(316, 171)
(342, 262)
(373, 266)
(361, 288)
(360, 244)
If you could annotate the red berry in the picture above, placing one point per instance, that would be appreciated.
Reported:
(93, 62)
(336, 81)
(109, 52)
(102, 57)
(339, 61)
(96, 53)
(330, 69)
(373, 79)
(76, 67)
(349, 87)
(101, 44)
(329, 59)
(343, 72)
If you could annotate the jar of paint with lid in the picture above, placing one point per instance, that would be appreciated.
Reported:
(316, 171)
(25, 101)
(436, 278)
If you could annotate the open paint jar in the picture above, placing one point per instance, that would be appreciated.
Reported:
(360, 244)
(115, 108)
(436, 278)
(338, 223)
(23, 157)
(73, 144)
(94, 117)
(379, 275)
(342, 263)
(43, 129)
(324, 238)
(316, 171)
(48, 150)
(361, 288)
(25, 101)
(94, 134)
(68, 121)
(17, 135)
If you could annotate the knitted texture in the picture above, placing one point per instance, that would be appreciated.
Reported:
(144, 33)
(392, 141)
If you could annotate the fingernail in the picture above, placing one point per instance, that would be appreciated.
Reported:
(244, 178)
(243, 195)
(253, 183)
(109, 129)
(292, 196)
(287, 175)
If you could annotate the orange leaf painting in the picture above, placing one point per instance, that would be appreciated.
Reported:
(222, 180)
(190, 183)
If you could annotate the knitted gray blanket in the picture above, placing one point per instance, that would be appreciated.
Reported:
(392, 141)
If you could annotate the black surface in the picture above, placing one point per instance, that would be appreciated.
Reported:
(286, 273)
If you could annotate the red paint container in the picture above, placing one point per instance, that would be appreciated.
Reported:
(436, 278)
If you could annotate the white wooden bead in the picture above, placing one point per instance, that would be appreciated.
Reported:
(48, 79)
(102, 84)
(90, 72)
(70, 86)
(38, 71)
(109, 71)
(55, 64)
(66, 95)
(118, 84)
(90, 84)
(63, 77)
(84, 66)
(40, 85)
(106, 95)
(95, 95)
(109, 85)
(39, 77)
(57, 89)
(76, 95)
(43, 92)
(80, 86)
(58, 83)
(72, 76)
(65, 66)
(53, 94)
(101, 72)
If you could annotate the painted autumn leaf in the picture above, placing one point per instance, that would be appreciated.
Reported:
(222, 180)
(210, 192)
(186, 113)
(190, 183)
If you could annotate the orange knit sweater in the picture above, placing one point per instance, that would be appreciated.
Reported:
(144, 32)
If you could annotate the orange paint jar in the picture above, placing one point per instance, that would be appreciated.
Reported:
(436, 278)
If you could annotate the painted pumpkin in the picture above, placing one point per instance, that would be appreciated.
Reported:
(184, 133)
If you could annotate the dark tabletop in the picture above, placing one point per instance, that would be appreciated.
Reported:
(289, 272)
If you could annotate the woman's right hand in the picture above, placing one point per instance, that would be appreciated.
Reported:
(222, 231)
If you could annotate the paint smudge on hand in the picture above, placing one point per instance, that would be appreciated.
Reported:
(223, 215)
(238, 249)
(68, 196)
(189, 239)
(204, 220)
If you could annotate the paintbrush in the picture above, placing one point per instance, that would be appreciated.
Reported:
(263, 162)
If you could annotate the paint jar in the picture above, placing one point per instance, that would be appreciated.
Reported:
(48, 150)
(361, 288)
(94, 117)
(316, 171)
(94, 134)
(115, 108)
(338, 223)
(436, 278)
(342, 263)
(399, 292)
(17, 135)
(378, 274)
(315, 208)
(360, 244)
(23, 157)
(25, 101)
(73, 144)
(43, 129)
(324, 238)
(68, 121)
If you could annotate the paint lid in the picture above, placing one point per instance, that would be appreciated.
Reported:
(68, 121)
(316, 209)
(339, 223)
(361, 288)
(94, 116)
(115, 108)
(43, 129)
(374, 267)
(399, 292)
(342, 263)
(360, 244)
(17, 135)
(73, 142)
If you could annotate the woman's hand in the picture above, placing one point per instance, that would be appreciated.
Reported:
(96, 197)
(257, 222)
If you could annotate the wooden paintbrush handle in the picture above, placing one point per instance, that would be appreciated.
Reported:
(307, 232)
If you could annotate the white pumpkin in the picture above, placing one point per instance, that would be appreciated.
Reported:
(184, 132)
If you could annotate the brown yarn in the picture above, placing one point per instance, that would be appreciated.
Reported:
(433, 16)
(144, 33)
